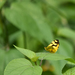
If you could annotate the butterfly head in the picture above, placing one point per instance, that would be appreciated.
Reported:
(56, 41)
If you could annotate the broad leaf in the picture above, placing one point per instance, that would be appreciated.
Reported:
(12, 54)
(65, 48)
(67, 67)
(54, 56)
(6, 57)
(66, 32)
(22, 67)
(29, 18)
(30, 54)
(70, 71)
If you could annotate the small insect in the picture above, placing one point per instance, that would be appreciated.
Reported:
(53, 46)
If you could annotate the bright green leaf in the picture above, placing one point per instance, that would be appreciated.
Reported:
(54, 56)
(22, 67)
(50, 56)
(70, 71)
(6, 57)
(30, 54)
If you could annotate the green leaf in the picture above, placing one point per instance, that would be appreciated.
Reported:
(54, 56)
(50, 56)
(6, 57)
(66, 32)
(70, 71)
(2, 2)
(65, 48)
(67, 67)
(2, 57)
(58, 64)
(12, 54)
(54, 5)
(68, 8)
(22, 67)
(30, 54)
(29, 18)
(58, 2)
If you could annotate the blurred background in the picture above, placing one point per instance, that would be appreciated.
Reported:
(33, 24)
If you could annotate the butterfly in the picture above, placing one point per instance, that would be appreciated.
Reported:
(53, 46)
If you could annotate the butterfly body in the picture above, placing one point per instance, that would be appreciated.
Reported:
(53, 46)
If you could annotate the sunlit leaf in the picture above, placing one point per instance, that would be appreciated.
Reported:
(23, 67)
(54, 56)
(30, 54)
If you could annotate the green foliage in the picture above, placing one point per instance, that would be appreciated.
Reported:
(6, 57)
(32, 25)
(70, 71)
(28, 53)
(23, 67)
(2, 56)
(25, 64)
(66, 32)
(27, 18)
(67, 67)
(2, 3)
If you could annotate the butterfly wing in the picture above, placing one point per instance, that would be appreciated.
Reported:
(53, 47)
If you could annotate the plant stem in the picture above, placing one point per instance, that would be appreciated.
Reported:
(5, 34)
(41, 62)
(6, 37)
(25, 40)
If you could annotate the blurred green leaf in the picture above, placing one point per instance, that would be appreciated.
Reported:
(48, 73)
(20, 40)
(58, 2)
(66, 32)
(67, 67)
(12, 54)
(2, 57)
(30, 54)
(31, 43)
(6, 57)
(51, 56)
(65, 48)
(29, 18)
(23, 67)
(68, 8)
(70, 71)
(58, 64)
(2, 3)
(14, 36)
(54, 5)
